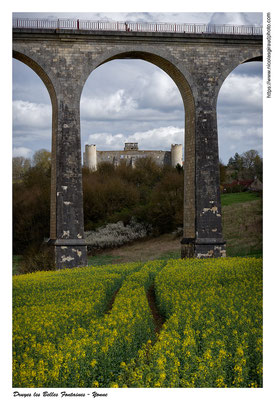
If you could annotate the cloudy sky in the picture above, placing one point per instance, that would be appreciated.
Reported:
(133, 100)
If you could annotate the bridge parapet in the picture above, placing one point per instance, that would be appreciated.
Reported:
(187, 28)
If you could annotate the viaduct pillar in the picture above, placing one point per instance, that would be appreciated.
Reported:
(202, 237)
(68, 235)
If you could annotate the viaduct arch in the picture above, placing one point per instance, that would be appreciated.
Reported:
(198, 64)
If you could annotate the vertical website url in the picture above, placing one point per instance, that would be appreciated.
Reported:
(268, 54)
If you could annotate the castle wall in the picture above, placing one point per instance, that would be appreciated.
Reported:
(130, 156)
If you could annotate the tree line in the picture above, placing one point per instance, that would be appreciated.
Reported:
(149, 193)
(240, 171)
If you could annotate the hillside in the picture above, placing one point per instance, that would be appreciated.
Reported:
(242, 229)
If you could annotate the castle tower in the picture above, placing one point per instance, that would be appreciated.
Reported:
(130, 146)
(176, 154)
(90, 157)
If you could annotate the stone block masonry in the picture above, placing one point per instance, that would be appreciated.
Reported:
(198, 64)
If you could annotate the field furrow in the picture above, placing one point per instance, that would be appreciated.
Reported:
(181, 323)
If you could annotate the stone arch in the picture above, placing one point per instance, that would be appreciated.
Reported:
(38, 69)
(183, 80)
(230, 68)
(178, 73)
(240, 62)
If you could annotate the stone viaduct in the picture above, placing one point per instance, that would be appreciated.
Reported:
(198, 64)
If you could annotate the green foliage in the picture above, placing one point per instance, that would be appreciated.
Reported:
(16, 261)
(248, 165)
(166, 203)
(106, 169)
(223, 170)
(37, 257)
(31, 214)
(42, 158)
(19, 167)
(31, 204)
(103, 197)
(242, 224)
(149, 193)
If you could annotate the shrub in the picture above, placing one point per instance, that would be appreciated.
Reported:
(31, 215)
(113, 235)
(166, 204)
(102, 198)
(37, 258)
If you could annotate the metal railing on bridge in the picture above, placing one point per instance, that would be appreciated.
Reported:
(77, 24)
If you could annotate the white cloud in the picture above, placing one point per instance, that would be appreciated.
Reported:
(153, 139)
(236, 18)
(158, 90)
(121, 106)
(242, 90)
(22, 152)
(240, 113)
(32, 125)
(135, 89)
(118, 104)
(32, 115)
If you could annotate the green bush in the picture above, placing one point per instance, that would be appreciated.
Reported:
(31, 214)
(166, 204)
(37, 258)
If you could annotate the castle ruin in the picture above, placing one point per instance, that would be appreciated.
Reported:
(131, 153)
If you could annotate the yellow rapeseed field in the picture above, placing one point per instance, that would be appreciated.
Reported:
(67, 331)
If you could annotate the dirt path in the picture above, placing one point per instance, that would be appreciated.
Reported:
(164, 246)
(242, 230)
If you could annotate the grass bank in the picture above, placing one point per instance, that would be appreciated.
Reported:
(242, 228)
(231, 198)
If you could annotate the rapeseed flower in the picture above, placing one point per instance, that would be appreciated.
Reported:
(212, 336)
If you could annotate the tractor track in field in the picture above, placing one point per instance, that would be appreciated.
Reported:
(111, 302)
(157, 317)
